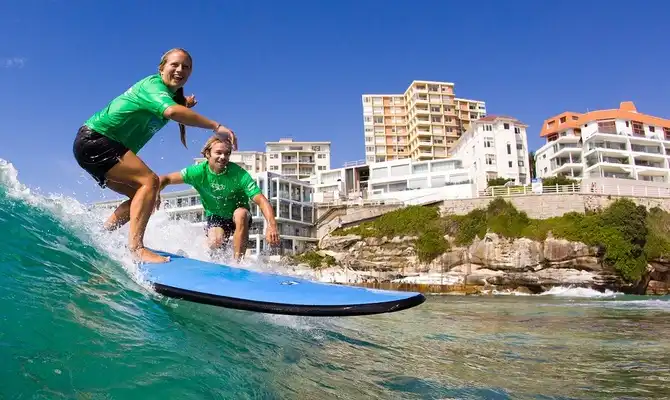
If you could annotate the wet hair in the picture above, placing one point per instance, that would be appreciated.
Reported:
(211, 142)
(179, 97)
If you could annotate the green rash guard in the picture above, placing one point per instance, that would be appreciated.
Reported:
(134, 117)
(221, 194)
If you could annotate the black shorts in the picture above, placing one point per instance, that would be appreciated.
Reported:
(228, 225)
(96, 153)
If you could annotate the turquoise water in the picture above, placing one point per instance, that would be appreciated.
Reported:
(76, 323)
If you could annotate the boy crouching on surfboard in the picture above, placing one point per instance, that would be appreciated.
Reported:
(225, 189)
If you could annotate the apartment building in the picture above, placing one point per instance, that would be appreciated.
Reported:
(612, 143)
(290, 199)
(399, 180)
(423, 123)
(298, 160)
(252, 161)
(494, 147)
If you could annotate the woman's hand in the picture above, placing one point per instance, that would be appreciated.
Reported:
(191, 101)
(225, 133)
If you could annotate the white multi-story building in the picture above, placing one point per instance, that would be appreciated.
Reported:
(298, 160)
(423, 123)
(290, 199)
(615, 143)
(494, 147)
(401, 180)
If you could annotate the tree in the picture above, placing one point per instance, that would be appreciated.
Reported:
(531, 163)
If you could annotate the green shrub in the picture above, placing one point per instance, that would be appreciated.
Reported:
(498, 181)
(558, 180)
(430, 245)
(628, 234)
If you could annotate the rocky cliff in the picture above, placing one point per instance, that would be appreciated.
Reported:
(491, 262)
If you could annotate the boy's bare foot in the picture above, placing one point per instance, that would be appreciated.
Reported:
(145, 255)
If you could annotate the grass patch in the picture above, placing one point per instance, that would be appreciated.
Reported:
(629, 235)
(314, 259)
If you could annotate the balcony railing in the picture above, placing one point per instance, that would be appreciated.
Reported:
(603, 189)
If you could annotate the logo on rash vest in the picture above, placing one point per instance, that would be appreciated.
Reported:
(218, 191)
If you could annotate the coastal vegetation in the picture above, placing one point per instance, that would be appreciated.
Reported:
(628, 236)
(313, 259)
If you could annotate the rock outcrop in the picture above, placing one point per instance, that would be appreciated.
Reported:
(490, 262)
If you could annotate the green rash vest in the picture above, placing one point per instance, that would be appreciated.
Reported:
(134, 117)
(221, 194)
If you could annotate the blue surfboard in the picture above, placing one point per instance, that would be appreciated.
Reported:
(238, 288)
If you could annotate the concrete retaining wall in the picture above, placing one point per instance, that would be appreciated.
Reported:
(544, 206)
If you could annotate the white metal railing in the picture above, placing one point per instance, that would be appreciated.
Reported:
(594, 188)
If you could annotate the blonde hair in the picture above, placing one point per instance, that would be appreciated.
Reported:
(207, 148)
(179, 94)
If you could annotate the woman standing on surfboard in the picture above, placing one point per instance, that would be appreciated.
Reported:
(106, 146)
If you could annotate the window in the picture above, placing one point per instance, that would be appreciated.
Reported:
(607, 126)
(510, 164)
(322, 167)
(490, 159)
(274, 168)
(521, 163)
(369, 149)
(652, 129)
(274, 155)
(638, 129)
(563, 119)
(519, 146)
(379, 120)
(368, 139)
(488, 142)
(316, 148)
(517, 130)
(506, 125)
(509, 148)
(488, 128)
(324, 156)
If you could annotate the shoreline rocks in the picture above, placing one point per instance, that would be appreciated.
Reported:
(490, 263)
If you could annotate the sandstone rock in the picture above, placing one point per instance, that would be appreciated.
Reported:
(657, 288)
(490, 261)
(338, 243)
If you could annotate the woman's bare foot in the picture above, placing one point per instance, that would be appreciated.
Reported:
(145, 255)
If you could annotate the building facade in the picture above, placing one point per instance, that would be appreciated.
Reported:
(494, 147)
(298, 160)
(290, 199)
(614, 143)
(400, 180)
(423, 123)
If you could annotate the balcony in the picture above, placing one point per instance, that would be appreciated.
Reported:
(649, 164)
(646, 149)
(615, 148)
(600, 158)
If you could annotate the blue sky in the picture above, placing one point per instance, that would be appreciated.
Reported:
(270, 69)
